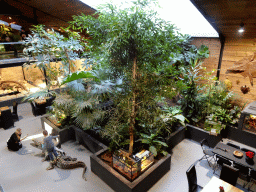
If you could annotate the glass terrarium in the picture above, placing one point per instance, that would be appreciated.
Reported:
(132, 167)
(248, 118)
(250, 123)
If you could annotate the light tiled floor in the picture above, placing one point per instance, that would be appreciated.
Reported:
(23, 170)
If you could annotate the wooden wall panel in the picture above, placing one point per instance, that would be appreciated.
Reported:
(235, 50)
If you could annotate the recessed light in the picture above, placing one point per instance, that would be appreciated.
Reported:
(241, 29)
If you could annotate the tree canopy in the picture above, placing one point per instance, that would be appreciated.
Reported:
(135, 44)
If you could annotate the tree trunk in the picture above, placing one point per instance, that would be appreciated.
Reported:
(133, 112)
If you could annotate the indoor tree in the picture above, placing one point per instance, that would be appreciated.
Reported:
(134, 44)
(45, 46)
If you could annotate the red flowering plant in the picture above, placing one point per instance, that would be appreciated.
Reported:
(249, 154)
(221, 188)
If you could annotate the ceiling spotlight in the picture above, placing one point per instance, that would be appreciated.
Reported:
(241, 28)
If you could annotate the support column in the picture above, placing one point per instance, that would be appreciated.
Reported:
(222, 41)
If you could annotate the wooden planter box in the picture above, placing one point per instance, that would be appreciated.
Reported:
(88, 141)
(66, 133)
(119, 183)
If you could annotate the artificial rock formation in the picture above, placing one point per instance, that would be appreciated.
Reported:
(246, 67)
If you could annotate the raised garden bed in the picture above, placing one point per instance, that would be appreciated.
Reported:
(233, 133)
(87, 140)
(66, 133)
(198, 134)
(176, 137)
(103, 169)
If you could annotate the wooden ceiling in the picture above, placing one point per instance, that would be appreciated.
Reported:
(226, 16)
(52, 13)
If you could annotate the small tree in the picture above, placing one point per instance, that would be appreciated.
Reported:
(45, 46)
(135, 44)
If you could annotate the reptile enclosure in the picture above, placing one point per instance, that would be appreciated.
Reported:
(119, 183)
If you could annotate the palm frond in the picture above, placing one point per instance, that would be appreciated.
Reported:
(41, 93)
(64, 101)
(88, 120)
(77, 85)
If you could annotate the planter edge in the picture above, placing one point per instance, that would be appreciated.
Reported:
(119, 183)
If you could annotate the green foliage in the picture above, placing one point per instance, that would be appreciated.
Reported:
(41, 93)
(219, 104)
(78, 75)
(172, 116)
(83, 101)
(190, 91)
(154, 142)
(44, 46)
(136, 45)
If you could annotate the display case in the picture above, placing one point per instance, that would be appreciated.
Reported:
(247, 120)
(132, 167)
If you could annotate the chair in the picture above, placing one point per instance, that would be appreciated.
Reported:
(35, 110)
(253, 179)
(244, 173)
(6, 119)
(208, 154)
(233, 145)
(221, 160)
(15, 111)
(229, 174)
(49, 101)
(192, 179)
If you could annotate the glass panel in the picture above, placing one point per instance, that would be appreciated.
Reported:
(131, 168)
(250, 123)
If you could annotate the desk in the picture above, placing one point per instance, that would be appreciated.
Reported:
(229, 155)
(215, 183)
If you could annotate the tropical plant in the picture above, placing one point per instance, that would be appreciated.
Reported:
(41, 93)
(85, 97)
(172, 116)
(154, 142)
(220, 104)
(45, 46)
(134, 44)
(189, 84)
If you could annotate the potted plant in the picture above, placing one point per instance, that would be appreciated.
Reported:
(136, 45)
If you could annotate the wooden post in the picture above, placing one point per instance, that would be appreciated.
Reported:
(222, 41)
